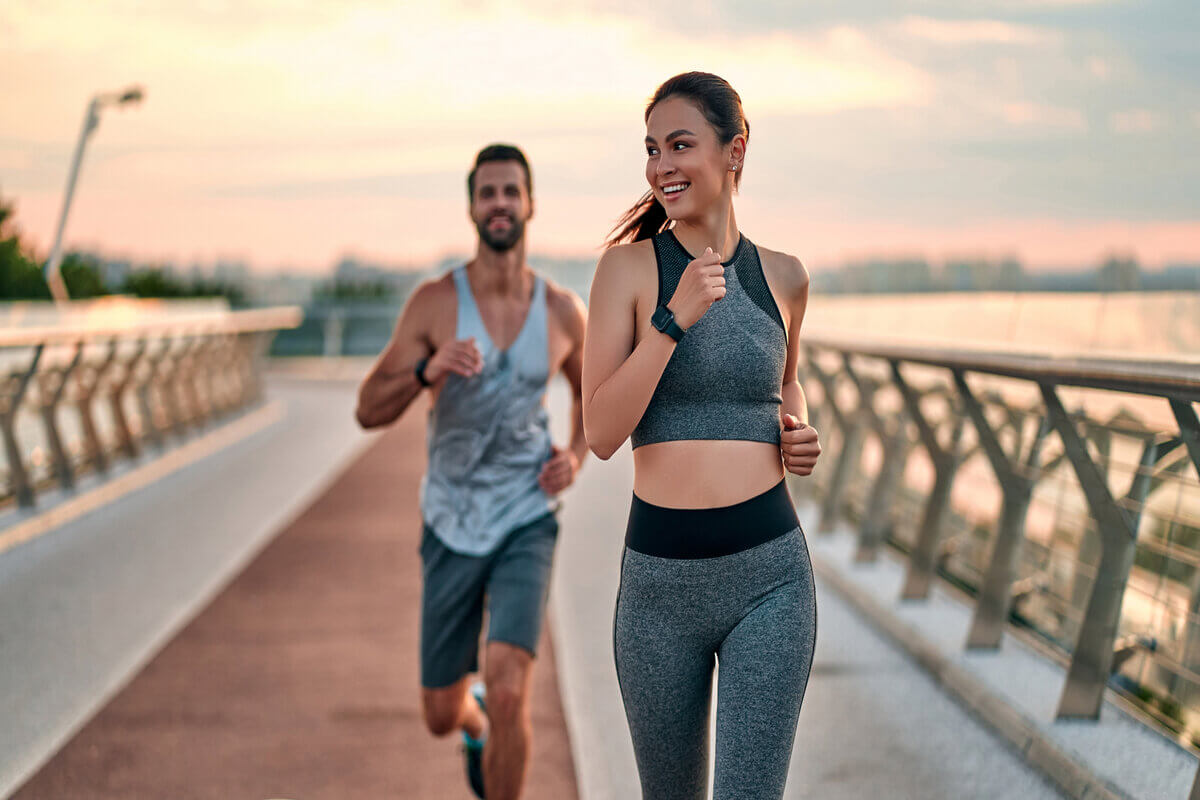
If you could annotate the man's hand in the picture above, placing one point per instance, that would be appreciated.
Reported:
(799, 445)
(559, 470)
(459, 356)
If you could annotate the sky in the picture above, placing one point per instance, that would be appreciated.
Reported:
(288, 133)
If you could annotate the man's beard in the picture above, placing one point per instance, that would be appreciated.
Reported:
(501, 243)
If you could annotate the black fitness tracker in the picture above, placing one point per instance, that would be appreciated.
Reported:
(419, 371)
(664, 320)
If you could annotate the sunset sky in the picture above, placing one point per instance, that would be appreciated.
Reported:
(289, 133)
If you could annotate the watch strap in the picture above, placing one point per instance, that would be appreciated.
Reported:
(419, 371)
(671, 327)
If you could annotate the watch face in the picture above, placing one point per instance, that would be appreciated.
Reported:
(661, 318)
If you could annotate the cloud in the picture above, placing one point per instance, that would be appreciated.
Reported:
(1136, 120)
(1043, 116)
(976, 31)
(309, 126)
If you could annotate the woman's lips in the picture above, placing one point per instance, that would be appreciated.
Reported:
(670, 196)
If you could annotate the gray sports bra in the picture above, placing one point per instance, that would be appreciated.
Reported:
(724, 379)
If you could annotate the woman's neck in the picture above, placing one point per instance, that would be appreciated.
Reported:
(717, 229)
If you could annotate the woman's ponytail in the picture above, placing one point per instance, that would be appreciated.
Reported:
(646, 219)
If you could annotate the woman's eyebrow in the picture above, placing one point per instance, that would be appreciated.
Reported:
(671, 135)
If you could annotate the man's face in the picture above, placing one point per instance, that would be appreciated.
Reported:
(500, 205)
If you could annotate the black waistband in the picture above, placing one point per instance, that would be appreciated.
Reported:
(709, 532)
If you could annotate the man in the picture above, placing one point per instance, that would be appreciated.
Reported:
(484, 339)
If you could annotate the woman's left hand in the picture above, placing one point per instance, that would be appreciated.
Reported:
(799, 445)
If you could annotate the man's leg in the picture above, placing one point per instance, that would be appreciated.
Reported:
(451, 618)
(507, 673)
(516, 590)
(452, 708)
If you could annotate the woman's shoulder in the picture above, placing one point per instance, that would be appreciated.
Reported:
(630, 264)
(783, 270)
(629, 256)
(626, 272)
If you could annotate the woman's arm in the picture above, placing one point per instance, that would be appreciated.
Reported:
(798, 440)
(618, 378)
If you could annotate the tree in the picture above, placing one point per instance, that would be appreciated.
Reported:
(21, 275)
(1119, 274)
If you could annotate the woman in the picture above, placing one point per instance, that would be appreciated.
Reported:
(694, 358)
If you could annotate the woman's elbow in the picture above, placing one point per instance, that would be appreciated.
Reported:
(367, 418)
(602, 451)
(364, 421)
(601, 445)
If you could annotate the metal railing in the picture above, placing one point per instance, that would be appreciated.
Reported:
(130, 384)
(1095, 546)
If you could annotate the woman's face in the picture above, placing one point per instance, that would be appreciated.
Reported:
(686, 166)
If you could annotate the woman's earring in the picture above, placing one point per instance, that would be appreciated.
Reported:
(733, 168)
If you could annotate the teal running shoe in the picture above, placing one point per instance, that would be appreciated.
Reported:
(473, 748)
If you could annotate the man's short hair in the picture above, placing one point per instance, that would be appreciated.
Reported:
(499, 152)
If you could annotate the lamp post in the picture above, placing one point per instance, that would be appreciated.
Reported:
(134, 94)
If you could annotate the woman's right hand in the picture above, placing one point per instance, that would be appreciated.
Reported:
(459, 356)
(701, 285)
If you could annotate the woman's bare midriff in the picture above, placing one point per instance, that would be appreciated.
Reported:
(704, 473)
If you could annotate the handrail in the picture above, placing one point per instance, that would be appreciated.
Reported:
(246, 321)
(1175, 376)
(157, 375)
(1127, 469)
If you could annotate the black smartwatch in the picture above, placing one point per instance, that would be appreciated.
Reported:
(664, 320)
(419, 371)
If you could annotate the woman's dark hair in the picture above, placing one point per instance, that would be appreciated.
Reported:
(722, 107)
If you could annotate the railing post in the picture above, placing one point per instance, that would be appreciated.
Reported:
(995, 592)
(197, 359)
(18, 475)
(220, 353)
(1091, 659)
(922, 562)
(87, 382)
(145, 388)
(333, 330)
(1189, 428)
(894, 445)
(166, 367)
(850, 426)
(51, 384)
(126, 442)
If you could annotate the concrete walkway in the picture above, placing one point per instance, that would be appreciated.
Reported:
(299, 680)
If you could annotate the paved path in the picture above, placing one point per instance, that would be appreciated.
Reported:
(300, 679)
(83, 606)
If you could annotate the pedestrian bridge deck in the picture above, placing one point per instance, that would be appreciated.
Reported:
(299, 679)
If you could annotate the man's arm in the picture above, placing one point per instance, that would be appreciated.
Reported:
(392, 385)
(559, 471)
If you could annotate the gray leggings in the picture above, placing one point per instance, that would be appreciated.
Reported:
(753, 612)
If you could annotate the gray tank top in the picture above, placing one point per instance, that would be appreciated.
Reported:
(489, 435)
(724, 379)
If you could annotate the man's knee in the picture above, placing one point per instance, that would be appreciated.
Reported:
(507, 679)
(442, 709)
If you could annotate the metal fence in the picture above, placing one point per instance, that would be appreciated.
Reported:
(1081, 525)
(78, 397)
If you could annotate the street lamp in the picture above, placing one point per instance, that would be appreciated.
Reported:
(134, 94)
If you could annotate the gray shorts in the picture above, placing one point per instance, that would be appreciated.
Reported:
(514, 579)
